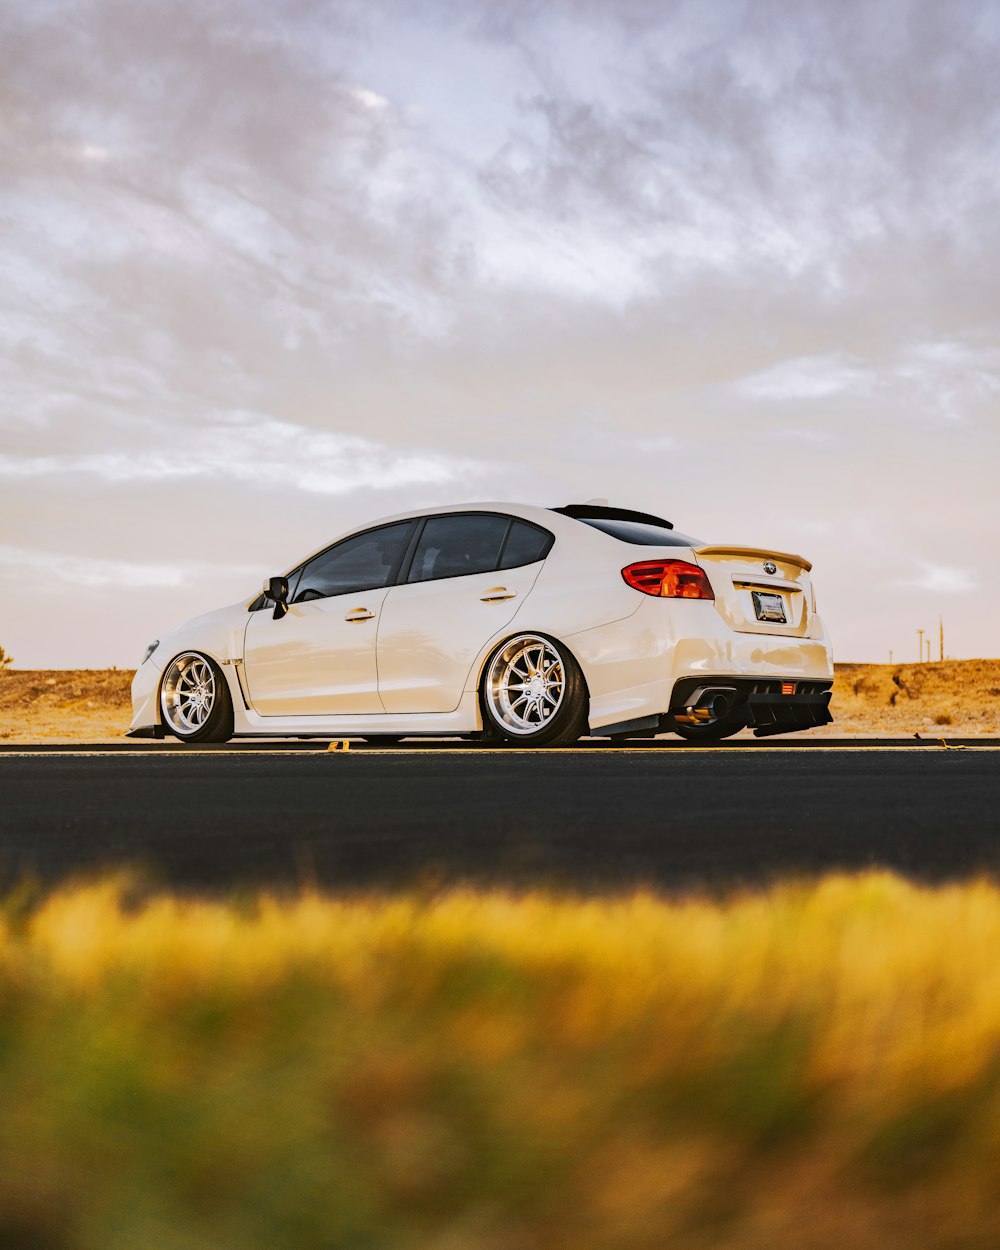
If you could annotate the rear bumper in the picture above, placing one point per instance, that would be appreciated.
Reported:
(767, 705)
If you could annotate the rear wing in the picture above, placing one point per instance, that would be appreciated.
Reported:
(755, 553)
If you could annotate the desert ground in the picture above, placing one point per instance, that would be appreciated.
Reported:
(955, 698)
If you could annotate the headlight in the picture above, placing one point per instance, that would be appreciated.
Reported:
(149, 651)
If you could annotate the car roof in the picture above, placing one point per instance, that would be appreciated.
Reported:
(565, 521)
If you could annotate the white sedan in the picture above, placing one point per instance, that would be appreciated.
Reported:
(502, 622)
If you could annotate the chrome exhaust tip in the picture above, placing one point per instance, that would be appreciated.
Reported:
(708, 705)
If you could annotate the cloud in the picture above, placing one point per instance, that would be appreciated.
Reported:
(42, 567)
(255, 449)
(944, 579)
(807, 377)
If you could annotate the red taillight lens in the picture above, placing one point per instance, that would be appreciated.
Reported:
(669, 579)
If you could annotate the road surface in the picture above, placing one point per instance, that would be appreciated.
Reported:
(597, 818)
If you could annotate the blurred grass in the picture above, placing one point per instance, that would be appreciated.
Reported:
(817, 1066)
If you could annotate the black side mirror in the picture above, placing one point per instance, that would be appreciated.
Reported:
(277, 592)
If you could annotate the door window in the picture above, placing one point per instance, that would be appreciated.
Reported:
(525, 544)
(456, 545)
(365, 562)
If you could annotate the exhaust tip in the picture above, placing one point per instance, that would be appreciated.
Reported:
(707, 706)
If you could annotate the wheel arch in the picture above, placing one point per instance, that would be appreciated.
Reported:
(501, 641)
(226, 667)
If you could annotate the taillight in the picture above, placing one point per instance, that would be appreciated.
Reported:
(669, 579)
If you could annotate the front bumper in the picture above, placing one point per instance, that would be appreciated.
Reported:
(767, 705)
(145, 717)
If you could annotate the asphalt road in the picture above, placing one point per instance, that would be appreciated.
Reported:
(591, 819)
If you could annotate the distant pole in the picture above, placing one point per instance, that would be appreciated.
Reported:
(941, 638)
(920, 655)
(928, 651)
(890, 655)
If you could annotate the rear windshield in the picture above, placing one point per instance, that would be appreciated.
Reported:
(640, 534)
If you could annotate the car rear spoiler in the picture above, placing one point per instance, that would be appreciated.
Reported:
(755, 553)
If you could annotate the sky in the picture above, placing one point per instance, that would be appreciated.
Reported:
(269, 271)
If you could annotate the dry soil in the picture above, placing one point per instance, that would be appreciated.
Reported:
(956, 698)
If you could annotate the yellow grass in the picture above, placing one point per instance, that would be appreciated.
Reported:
(814, 1067)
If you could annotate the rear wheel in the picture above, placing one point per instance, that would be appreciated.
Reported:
(533, 694)
(194, 700)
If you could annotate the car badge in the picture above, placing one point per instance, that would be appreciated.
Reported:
(770, 566)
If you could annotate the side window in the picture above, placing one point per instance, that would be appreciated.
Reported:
(525, 544)
(456, 545)
(366, 562)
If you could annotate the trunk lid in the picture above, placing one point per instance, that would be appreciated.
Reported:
(751, 598)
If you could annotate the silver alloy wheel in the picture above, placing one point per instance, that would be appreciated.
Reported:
(525, 684)
(187, 695)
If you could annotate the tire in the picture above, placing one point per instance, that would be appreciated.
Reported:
(709, 733)
(533, 694)
(194, 699)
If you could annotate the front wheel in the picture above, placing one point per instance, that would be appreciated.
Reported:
(194, 700)
(533, 694)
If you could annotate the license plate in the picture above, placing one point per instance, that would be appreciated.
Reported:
(769, 607)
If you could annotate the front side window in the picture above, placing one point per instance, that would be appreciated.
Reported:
(366, 562)
(457, 545)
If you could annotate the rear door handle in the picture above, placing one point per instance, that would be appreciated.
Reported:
(359, 614)
(497, 594)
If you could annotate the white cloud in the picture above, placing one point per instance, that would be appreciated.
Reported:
(805, 377)
(259, 450)
(943, 579)
(93, 573)
(368, 98)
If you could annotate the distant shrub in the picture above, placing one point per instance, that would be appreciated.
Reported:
(5, 659)
(943, 718)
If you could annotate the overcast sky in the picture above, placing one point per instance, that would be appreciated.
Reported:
(271, 270)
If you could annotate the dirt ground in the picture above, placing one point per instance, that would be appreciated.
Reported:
(953, 699)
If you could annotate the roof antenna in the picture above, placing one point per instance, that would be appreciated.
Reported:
(595, 503)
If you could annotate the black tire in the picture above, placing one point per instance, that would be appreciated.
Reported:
(709, 733)
(566, 723)
(218, 724)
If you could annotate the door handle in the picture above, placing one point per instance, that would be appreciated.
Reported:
(359, 614)
(497, 594)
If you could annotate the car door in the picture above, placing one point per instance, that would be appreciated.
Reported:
(319, 658)
(469, 574)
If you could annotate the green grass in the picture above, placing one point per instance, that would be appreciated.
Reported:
(814, 1067)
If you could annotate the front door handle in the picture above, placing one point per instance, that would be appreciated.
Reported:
(359, 614)
(497, 595)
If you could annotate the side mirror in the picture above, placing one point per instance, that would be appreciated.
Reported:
(277, 592)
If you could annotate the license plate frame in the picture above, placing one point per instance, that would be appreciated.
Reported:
(769, 607)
